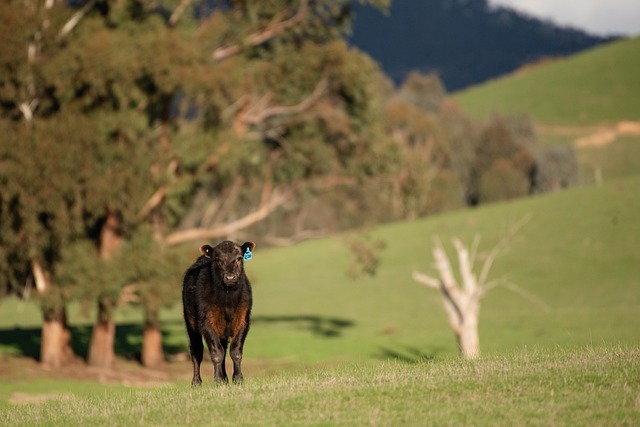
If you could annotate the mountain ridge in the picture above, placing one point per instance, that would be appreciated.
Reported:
(465, 42)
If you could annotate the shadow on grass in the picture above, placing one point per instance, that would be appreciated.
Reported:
(321, 326)
(25, 342)
(407, 355)
(127, 343)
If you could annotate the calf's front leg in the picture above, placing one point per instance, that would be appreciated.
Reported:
(235, 351)
(218, 353)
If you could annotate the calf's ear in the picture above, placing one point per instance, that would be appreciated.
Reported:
(248, 245)
(207, 251)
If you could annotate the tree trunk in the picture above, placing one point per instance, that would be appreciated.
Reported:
(101, 352)
(468, 338)
(462, 303)
(101, 347)
(55, 348)
(152, 354)
(109, 235)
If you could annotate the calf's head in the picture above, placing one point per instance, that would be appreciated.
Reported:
(228, 258)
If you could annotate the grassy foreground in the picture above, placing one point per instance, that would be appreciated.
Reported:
(586, 386)
(327, 350)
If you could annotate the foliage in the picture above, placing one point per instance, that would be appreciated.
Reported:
(365, 253)
(558, 168)
(504, 165)
(424, 91)
(132, 127)
(502, 182)
(122, 121)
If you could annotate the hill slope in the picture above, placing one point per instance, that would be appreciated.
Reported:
(576, 265)
(597, 86)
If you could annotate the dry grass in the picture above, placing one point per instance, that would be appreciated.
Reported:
(587, 386)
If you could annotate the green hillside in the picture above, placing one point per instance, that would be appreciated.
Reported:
(601, 85)
(327, 350)
(576, 264)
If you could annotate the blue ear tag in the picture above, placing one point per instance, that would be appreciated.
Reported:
(247, 255)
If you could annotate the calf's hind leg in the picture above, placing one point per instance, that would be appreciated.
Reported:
(197, 349)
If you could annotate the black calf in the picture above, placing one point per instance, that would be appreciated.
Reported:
(216, 296)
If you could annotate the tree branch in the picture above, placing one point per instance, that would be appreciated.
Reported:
(488, 263)
(39, 276)
(444, 267)
(153, 201)
(527, 295)
(224, 230)
(74, 20)
(260, 37)
(275, 199)
(28, 109)
(466, 269)
(178, 12)
(474, 249)
(428, 281)
(282, 110)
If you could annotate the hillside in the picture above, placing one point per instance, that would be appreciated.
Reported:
(590, 88)
(464, 42)
(575, 265)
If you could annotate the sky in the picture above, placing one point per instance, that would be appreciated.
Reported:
(600, 17)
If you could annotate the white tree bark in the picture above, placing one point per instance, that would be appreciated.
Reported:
(462, 302)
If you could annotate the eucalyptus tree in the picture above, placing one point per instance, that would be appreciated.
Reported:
(180, 120)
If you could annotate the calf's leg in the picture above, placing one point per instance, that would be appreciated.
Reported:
(223, 343)
(236, 356)
(218, 354)
(235, 351)
(196, 348)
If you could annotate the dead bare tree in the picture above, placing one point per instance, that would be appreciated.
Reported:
(462, 302)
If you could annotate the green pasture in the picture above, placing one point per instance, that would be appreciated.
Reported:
(572, 275)
(616, 160)
(585, 386)
(559, 340)
(597, 86)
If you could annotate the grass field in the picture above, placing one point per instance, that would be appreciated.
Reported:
(327, 350)
(560, 345)
(616, 160)
(597, 86)
(576, 264)
(587, 386)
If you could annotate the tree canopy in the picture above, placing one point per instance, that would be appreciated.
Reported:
(133, 126)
